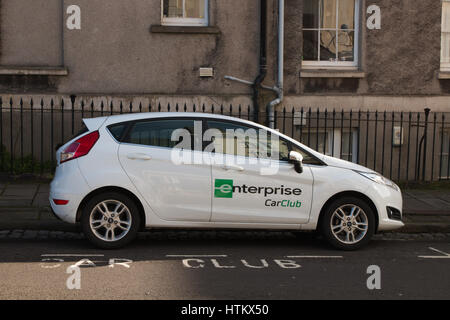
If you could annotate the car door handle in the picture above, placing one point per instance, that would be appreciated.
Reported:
(139, 156)
(233, 167)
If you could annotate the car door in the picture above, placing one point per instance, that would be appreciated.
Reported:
(244, 192)
(176, 191)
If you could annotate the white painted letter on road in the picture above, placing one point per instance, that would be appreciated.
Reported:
(187, 263)
(219, 266)
(263, 261)
(85, 263)
(287, 264)
(120, 262)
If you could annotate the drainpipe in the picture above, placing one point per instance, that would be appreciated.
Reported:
(278, 88)
(262, 58)
(280, 82)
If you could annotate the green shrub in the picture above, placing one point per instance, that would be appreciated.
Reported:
(25, 165)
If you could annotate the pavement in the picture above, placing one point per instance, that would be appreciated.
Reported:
(273, 266)
(24, 206)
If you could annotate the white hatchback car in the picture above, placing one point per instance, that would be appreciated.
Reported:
(127, 173)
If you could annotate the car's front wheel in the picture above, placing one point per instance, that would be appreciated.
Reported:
(348, 223)
(110, 220)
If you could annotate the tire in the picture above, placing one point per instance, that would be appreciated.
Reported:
(343, 231)
(110, 220)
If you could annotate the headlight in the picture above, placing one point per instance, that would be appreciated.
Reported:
(378, 178)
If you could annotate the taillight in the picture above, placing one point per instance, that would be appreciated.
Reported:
(79, 148)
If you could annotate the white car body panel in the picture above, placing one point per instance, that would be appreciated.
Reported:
(94, 123)
(70, 185)
(185, 198)
(252, 208)
(173, 191)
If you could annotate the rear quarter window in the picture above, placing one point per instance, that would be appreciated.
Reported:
(117, 130)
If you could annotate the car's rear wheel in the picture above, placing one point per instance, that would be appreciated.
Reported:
(110, 220)
(348, 223)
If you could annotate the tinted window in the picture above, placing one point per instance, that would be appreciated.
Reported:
(163, 133)
(117, 130)
(307, 158)
(244, 141)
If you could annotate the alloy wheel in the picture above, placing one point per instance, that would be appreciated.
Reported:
(349, 224)
(110, 220)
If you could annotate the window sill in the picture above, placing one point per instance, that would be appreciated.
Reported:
(184, 29)
(332, 74)
(444, 75)
(33, 71)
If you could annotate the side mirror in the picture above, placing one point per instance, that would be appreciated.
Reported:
(296, 159)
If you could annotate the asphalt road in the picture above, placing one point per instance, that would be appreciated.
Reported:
(245, 268)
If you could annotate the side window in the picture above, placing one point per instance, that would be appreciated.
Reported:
(159, 133)
(283, 147)
(307, 158)
(240, 140)
(117, 130)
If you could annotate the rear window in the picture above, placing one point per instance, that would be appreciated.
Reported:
(159, 133)
(117, 130)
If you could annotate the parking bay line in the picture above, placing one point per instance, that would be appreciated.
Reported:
(315, 257)
(196, 256)
(72, 255)
(444, 256)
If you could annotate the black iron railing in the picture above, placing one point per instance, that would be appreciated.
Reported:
(404, 146)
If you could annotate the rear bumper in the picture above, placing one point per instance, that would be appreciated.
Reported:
(68, 184)
(54, 214)
(68, 212)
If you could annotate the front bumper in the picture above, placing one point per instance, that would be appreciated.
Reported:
(385, 199)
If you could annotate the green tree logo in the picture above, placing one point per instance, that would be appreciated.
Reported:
(223, 189)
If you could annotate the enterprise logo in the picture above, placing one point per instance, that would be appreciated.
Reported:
(223, 189)
(226, 189)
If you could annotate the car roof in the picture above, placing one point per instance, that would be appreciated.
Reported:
(154, 115)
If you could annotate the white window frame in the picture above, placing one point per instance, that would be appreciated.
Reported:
(445, 66)
(185, 21)
(353, 65)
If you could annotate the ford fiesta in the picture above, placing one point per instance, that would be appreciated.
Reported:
(123, 174)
